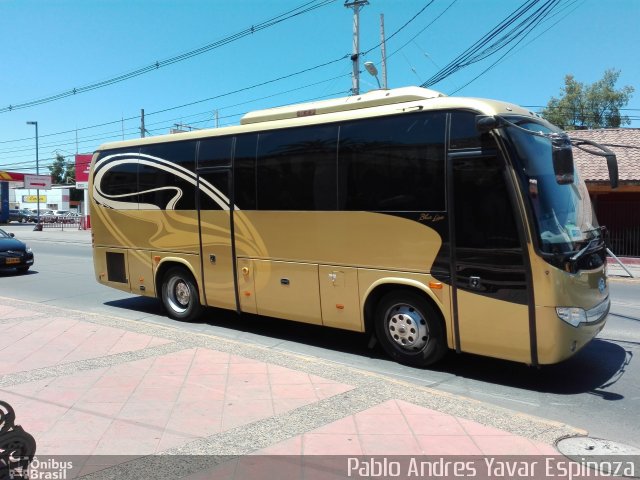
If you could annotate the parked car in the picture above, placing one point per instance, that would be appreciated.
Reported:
(70, 217)
(45, 214)
(14, 253)
(59, 214)
(24, 215)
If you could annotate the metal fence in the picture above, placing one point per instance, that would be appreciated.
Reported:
(72, 223)
(622, 219)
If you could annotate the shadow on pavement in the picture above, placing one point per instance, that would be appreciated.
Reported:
(9, 272)
(274, 328)
(594, 370)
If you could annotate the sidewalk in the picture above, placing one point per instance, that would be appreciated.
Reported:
(97, 386)
(615, 271)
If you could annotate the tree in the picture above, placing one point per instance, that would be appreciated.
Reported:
(62, 172)
(589, 106)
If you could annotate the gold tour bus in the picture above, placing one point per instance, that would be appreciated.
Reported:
(428, 222)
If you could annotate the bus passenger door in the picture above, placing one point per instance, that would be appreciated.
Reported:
(491, 292)
(215, 221)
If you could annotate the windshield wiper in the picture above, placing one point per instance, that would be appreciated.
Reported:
(594, 242)
(594, 230)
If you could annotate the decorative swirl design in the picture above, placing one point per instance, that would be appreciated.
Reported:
(129, 201)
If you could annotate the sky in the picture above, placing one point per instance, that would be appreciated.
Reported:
(49, 47)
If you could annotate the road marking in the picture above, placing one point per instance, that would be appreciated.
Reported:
(504, 397)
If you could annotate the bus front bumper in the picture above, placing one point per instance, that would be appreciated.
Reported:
(563, 331)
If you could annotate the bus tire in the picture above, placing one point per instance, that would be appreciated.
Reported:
(180, 295)
(409, 329)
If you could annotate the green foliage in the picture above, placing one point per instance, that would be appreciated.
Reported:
(62, 172)
(589, 106)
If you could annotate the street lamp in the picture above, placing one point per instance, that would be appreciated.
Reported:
(373, 71)
(37, 171)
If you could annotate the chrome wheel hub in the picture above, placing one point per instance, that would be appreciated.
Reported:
(407, 327)
(182, 294)
(179, 295)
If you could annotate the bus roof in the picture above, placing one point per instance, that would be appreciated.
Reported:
(374, 98)
(374, 103)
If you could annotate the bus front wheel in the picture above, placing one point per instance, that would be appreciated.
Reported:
(409, 329)
(180, 295)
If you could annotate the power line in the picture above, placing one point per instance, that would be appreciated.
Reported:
(531, 23)
(401, 28)
(565, 7)
(31, 164)
(421, 31)
(119, 121)
(107, 135)
(302, 9)
(495, 40)
(70, 142)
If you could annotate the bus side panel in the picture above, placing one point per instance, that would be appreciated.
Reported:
(356, 239)
(339, 298)
(246, 286)
(111, 267)
(495, 328)
(162, 230)
(287, 290)
(217, 261)
(141, 273)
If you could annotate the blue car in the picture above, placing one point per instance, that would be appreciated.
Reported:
(14, 253)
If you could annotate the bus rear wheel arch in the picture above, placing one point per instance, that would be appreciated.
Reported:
(179, 294)
(409, 328)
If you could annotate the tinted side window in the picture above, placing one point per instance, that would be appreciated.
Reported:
(484, 216)
(488, 246)
(166, 177)
(393, 163)
(296, 169)
(215, 152)
(116, 178)
(214, 169)
(244, 165)
(464, 133)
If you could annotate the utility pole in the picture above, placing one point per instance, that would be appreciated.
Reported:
(217, 118)
(142, 129)
(37, 170)
(383, 50)
(355, 56)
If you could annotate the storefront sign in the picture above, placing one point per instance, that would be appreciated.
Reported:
(34, 199)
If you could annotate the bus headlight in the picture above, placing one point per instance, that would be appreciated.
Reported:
(572, 315)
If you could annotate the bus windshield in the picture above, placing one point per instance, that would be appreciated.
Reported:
(563, 212)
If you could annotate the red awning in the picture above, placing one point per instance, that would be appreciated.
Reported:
(11, 176)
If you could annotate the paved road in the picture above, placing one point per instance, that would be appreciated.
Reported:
(598, 390)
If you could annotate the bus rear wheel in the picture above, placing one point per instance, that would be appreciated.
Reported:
(180, 295)
(409, 329)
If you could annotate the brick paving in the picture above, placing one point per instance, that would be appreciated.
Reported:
(99, 386)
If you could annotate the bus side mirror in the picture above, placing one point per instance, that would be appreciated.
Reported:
(612, 161)
(612, 166)
(486, 123)
(562, 157)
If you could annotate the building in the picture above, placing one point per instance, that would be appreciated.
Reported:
(617, 209)
(55, 198)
